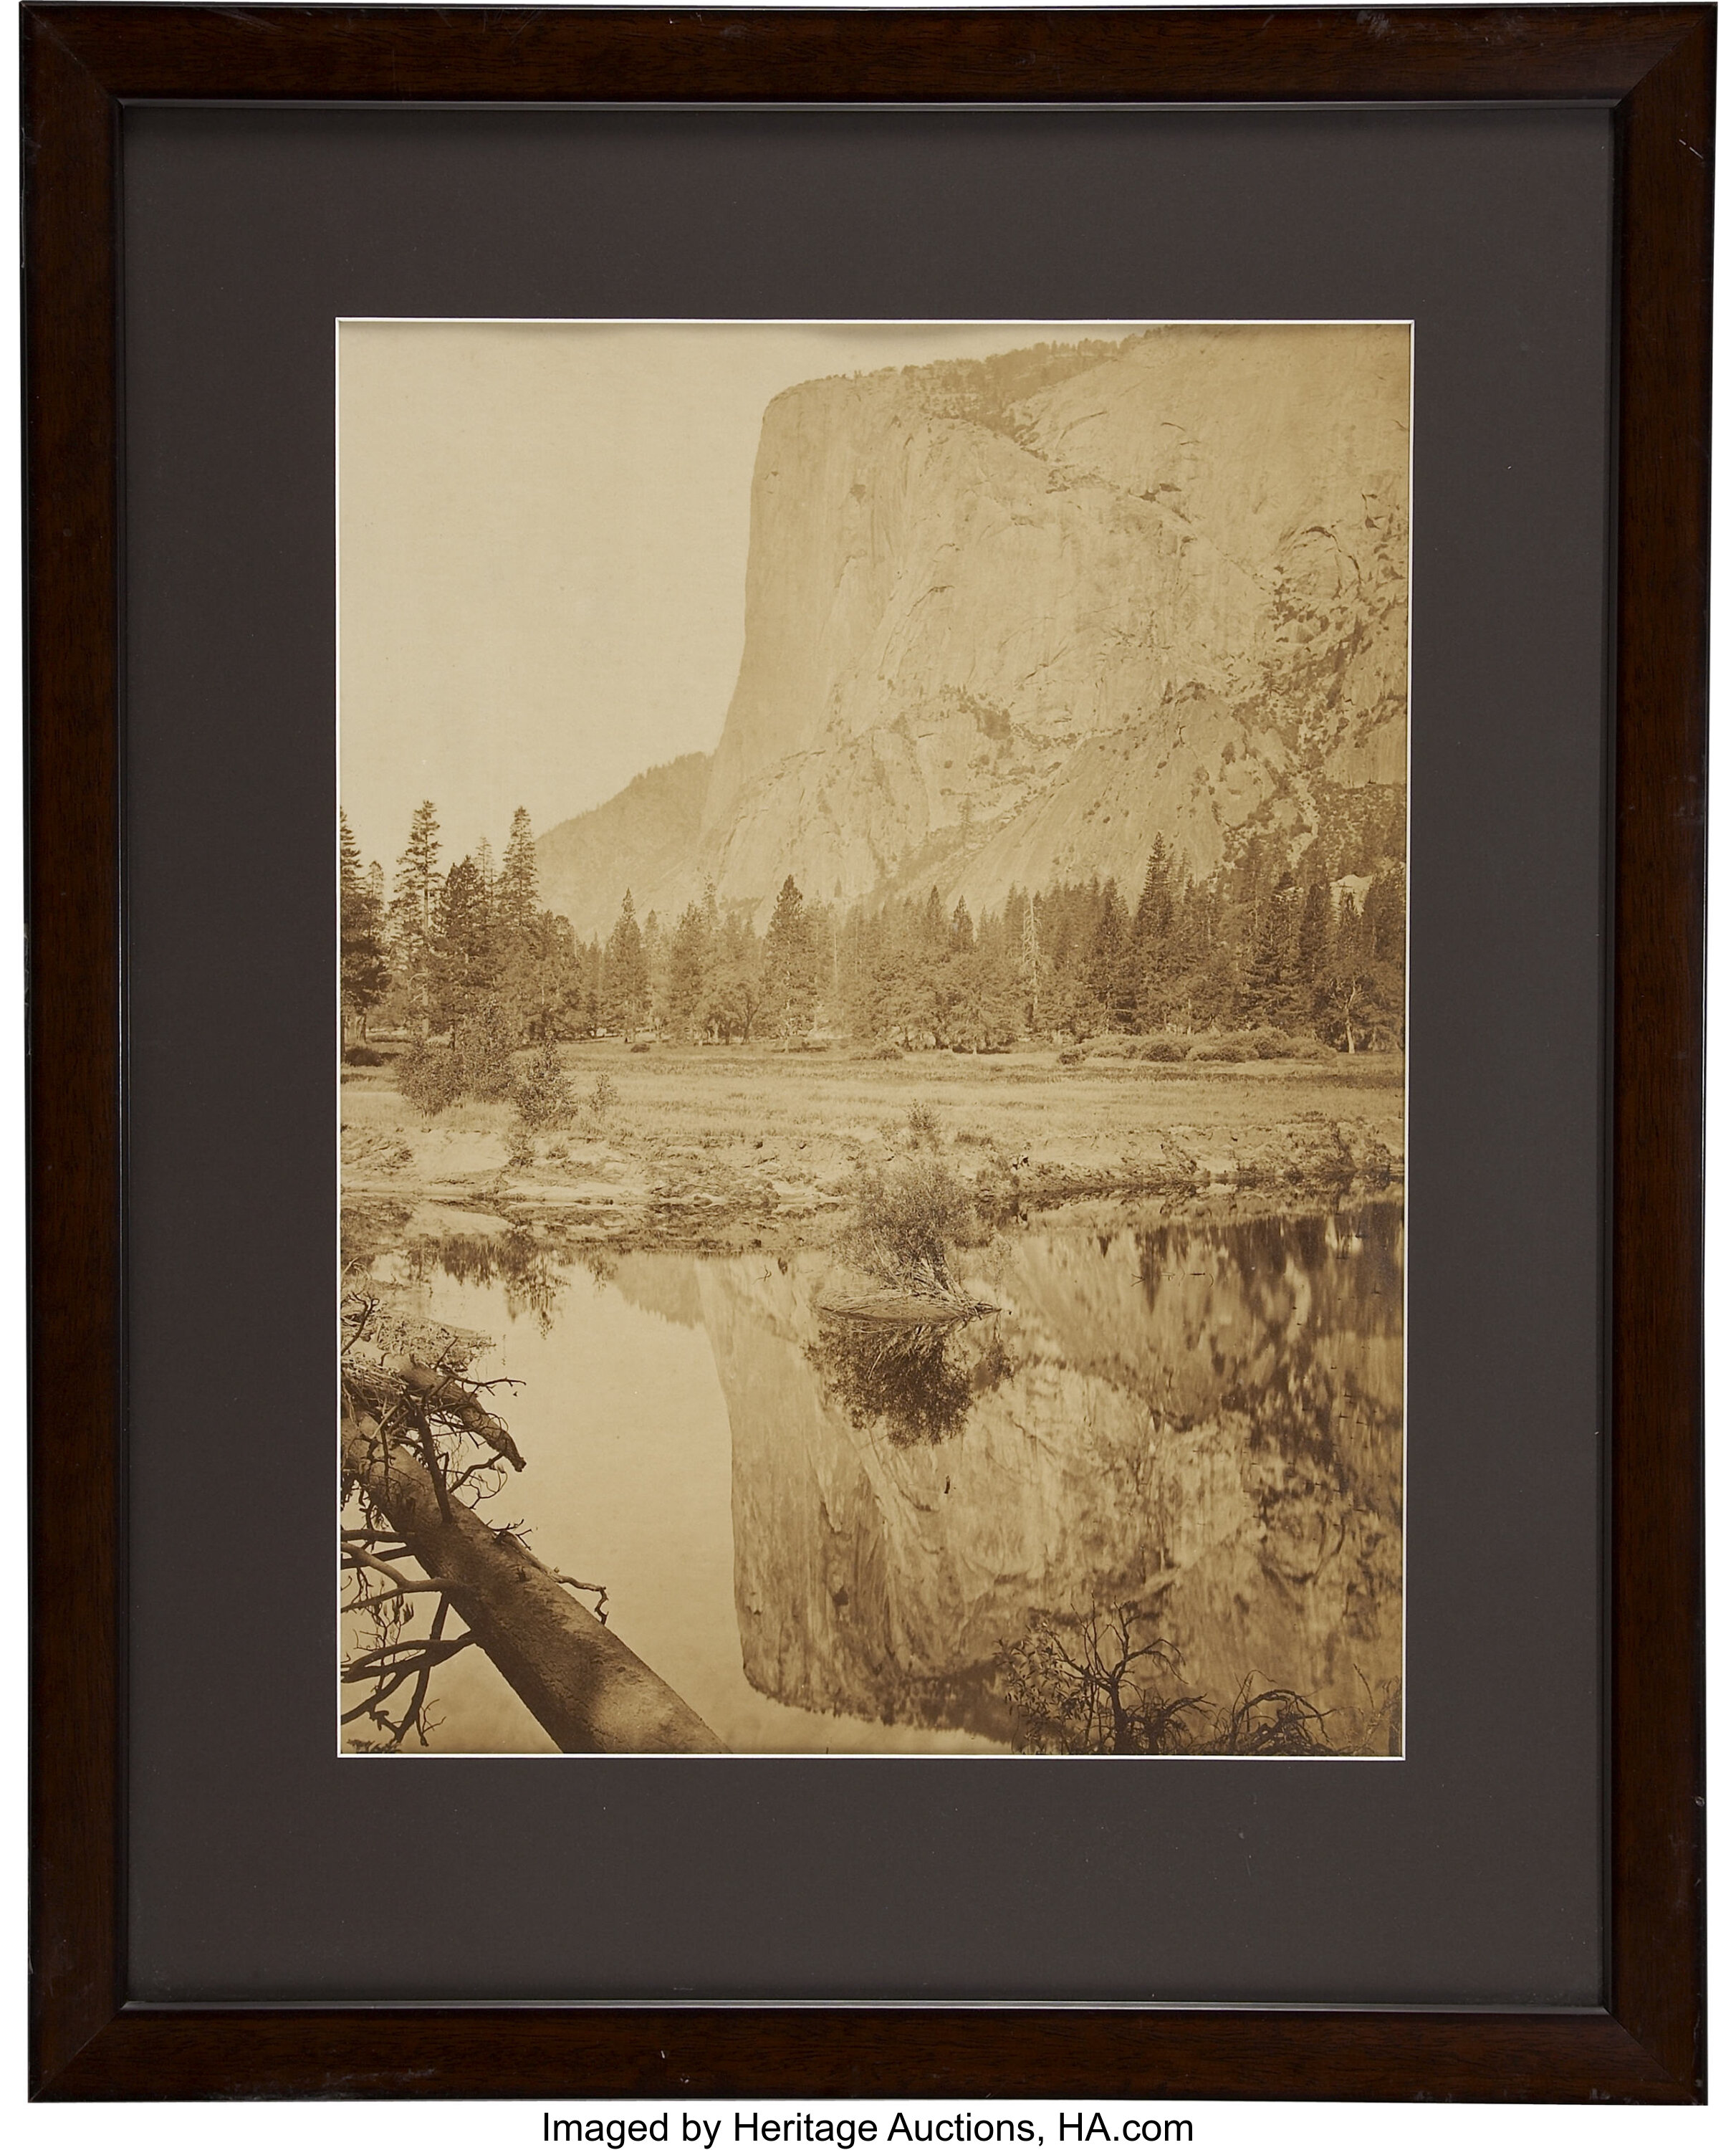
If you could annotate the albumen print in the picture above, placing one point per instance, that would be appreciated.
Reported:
(872, 970)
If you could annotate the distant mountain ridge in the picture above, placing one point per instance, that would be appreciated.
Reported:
(645, 838)
(1008, 619)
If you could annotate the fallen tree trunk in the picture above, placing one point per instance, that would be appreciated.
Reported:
(581, 1683)
(380, 1387)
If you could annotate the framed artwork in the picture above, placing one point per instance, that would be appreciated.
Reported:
(918, 797)
(1040, 1247)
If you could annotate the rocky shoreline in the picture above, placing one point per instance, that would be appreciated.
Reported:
(607, 1195)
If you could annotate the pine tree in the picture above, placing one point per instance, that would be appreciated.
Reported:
(588, 999)
(624, 982)
(1030, 962)
(1156, 912)
(822, 942)
(912, 953)
(517, 896)
(1270, 990)
(864, 982)
(1113, 975)
(1384, 909)
(1314, 932)
(519, 934)
(414, 915)
(416, 892)
(565, 979)
(735, 993)
(363, 973)
(690, 963)
(462, 972)
(656, 944)
(1349, 990)
(789, 988)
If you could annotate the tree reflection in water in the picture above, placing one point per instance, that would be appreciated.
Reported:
(1110, 1682)
(528, 1270)
(1302, 1289)
(919, 1379)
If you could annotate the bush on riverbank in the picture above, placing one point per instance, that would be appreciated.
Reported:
(908, 1217)
(541, 1091)
(482, 1047)
(430, 1076)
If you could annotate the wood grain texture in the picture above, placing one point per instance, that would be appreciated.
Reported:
(1657, 870)
(73, 891)
(1654, 66)
(1192, 55)
(825, 2053)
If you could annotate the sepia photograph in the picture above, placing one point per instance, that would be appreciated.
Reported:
(872, 906)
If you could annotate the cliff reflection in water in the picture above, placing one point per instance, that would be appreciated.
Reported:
(1200, 1418)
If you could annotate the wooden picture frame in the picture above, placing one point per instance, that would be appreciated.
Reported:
(1652, 68)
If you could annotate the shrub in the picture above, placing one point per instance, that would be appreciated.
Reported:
(1305, 1047)
(918, 1381)
(603, 1098)
(541, 1091)
(363, 1056)
(482, 1047)
(430, 1076)
(1235, 1049)
(905, 1218)
(1268, 1043)
(884, 1052)
(1110, 1682)
(925, 1127)
(1069, 1056)
(1163, 1048)
(639, 1045)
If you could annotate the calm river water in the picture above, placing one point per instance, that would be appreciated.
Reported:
(819, 1536)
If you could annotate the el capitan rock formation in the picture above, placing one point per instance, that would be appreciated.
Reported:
(1008, 619)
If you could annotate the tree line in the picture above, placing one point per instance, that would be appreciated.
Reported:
(448, 943)
(1311, 944)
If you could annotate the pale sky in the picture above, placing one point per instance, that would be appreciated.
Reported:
(543, 548)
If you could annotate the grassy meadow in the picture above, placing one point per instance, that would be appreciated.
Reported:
(716, 1148)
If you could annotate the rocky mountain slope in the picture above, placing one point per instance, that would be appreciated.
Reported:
(1010, 618)
(645, 838)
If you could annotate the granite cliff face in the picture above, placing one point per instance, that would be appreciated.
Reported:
(1010, 618)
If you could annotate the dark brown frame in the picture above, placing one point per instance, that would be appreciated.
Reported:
(1653, 67)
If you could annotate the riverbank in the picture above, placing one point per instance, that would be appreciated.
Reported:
(721, 1150)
